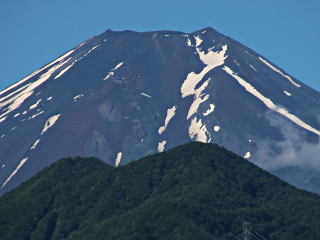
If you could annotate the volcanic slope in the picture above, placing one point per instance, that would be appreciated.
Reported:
(120, 96)
(193, 191)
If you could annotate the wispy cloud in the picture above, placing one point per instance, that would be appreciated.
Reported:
(292, 151)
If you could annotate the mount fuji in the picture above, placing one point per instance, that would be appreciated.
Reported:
(120, 96)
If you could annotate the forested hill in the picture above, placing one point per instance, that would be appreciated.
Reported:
(194, 191)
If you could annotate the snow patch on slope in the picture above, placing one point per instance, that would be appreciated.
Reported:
(269, 103)
(14, 92)
(287, 93)
(210, 110)
(111, 73)
(216, 128)
(212, 60)
(35, 105)
(118, 160)
(189, 42)
(236, 63)
(116, 67)
(64, 70)
(145, 95)
(2, 119)
(198, 131)
(49, 123)
(170, 114)
(161, 146)
(15, 171)
(278, 71)
(198, 98)
(247, 155)
(78, 97)
(26, 91)
(35, 144)
(35, 115)
(198, 41)
(81, 44)
(36, 72)
(253, 67)
(77, 60)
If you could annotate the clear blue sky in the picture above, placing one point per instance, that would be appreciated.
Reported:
(33, 33)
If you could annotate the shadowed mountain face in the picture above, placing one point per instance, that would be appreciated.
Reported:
(123, 95)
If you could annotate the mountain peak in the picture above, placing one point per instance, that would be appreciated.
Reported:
(124, 95)
(208, 30)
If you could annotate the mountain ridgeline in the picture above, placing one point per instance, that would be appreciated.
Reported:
(120, 96)
(193, 191)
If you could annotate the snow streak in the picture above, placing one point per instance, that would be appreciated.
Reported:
(287, 93)
(16, 98)
(35, 105)
(111, 73)
(145, 95)
(36, 72)
(64, 70)
(15, 171)
(269, 103)
(170, 113)
(278, 71)
(35, 144)
(35, 115)
(49, 123)
(118, 160)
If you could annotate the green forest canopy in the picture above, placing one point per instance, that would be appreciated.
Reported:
(194, 191)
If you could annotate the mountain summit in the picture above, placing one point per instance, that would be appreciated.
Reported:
(123, 95)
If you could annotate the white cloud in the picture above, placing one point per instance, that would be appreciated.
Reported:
(292, 151)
